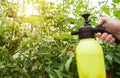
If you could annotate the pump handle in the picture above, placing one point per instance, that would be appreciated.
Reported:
(101, 29)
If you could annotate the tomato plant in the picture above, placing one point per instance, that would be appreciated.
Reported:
(36, 43)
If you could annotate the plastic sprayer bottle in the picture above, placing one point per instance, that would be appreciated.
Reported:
(89, 54)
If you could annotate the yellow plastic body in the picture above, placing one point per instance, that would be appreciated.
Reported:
(90, 59)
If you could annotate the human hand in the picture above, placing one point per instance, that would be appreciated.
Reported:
(112, 26)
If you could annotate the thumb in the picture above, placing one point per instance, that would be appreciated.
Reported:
(102, 21)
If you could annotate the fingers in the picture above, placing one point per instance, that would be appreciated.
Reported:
(106, 37)
(112, 40)
(98, 34)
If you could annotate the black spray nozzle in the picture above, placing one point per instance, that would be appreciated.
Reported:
(85, 16)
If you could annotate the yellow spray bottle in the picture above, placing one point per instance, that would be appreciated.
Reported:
(89, 54)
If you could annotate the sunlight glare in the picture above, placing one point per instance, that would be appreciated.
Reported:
(30, 10)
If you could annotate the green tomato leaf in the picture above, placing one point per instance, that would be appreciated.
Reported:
(66, 36)
(106, 9)
(116, 58)
(116, 1)
(59, 73)
(49, 39)
(67, 65)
